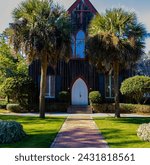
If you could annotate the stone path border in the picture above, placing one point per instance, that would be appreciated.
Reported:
(79, 132)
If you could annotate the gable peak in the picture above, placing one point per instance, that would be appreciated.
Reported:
(84, 2)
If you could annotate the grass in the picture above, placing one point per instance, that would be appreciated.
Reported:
(41, 132)
(4, 111)
(121, 133)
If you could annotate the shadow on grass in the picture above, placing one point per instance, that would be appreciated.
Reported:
(122, 132)
(135, 120)
(129, 120)
(124, 144)
(33, 141)
(40, 132)
(31, 119)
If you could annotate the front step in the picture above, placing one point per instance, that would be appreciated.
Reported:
(79, 109)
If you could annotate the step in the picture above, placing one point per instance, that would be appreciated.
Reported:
(79, 109)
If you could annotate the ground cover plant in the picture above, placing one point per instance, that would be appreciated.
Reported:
(11, 132)
(122, 133)
(40, 133)
(143, 132)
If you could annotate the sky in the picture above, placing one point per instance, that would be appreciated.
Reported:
(140, 7)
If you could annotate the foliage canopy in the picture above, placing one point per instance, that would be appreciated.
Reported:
(135, 87)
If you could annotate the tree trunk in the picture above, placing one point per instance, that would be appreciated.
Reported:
(7, 99)
(116, 88)
(43, 86)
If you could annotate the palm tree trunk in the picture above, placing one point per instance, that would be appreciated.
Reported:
(43, 86)
(116, 86)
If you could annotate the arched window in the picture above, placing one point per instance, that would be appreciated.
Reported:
(80, 44)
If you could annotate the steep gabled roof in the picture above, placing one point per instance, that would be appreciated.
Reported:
(86, 2)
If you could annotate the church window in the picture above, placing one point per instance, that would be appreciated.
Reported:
(80, 44)
(50, 86)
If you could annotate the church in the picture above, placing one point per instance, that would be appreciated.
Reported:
(78, 76)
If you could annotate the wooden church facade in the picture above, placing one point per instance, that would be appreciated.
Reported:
(77, 76)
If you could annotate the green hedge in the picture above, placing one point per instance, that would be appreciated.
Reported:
(64, 96)
(124, 108)
(15, 108)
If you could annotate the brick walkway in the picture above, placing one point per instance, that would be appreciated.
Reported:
(79, 132)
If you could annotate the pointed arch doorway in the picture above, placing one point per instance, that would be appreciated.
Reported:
(79, 93)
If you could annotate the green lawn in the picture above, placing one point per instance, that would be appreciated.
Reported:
(4, 111)
(41, 132)
(121, 133)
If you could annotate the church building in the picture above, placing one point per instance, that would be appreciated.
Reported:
(78, 76)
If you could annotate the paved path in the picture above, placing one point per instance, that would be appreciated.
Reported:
(79, 132)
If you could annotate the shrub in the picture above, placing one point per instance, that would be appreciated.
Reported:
(124, 108)
(3, 104)
(135, 87)
(19, 89)
(11, 131)
(94, 97)
(143, 132)
(64, 96)
(15, 108)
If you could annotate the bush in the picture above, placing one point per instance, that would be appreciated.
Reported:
(11, 131)
(94, 97)
(135, 108)
(124, 108)
(143, 132)
(135, 87)
(3, 104)
(64, 96)
(19, 89)
(15, 108)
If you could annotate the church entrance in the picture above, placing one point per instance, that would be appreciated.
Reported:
(79, 93)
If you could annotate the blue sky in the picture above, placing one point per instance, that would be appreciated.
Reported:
(140, 7)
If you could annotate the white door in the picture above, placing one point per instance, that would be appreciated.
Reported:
(79, 93)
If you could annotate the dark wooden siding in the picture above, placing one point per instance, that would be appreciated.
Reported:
(74, 69)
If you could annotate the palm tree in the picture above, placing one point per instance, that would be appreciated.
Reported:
(41, 29)
(115, 41)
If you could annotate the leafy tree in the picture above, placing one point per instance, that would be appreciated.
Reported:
(115, 41)
(19, 89)
(7, 61)
(41, 29)
(143, 66)
(11, 64)
(135, 87)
